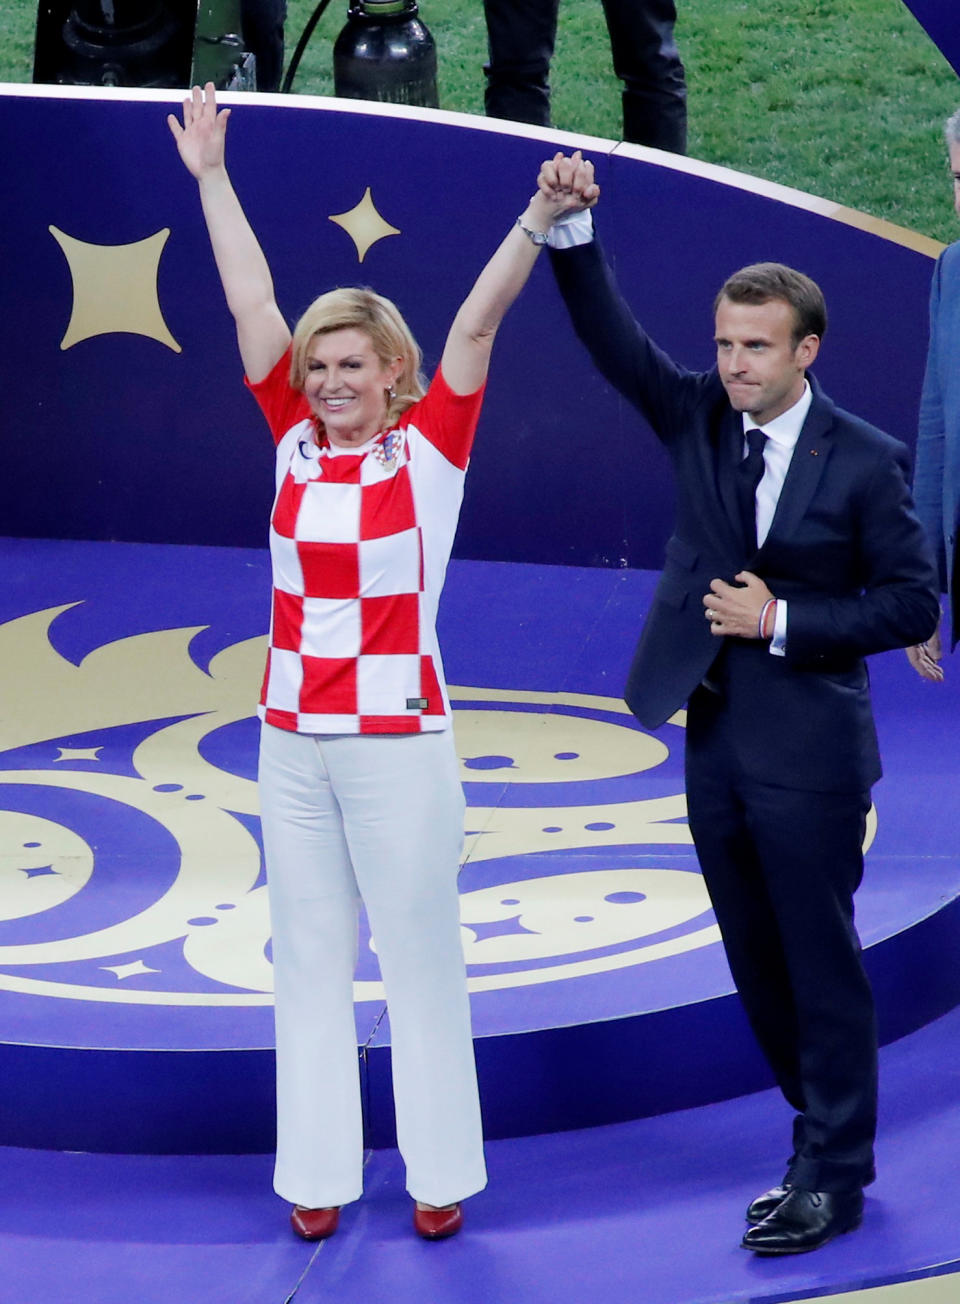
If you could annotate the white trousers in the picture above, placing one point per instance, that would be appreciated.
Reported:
(377, 818)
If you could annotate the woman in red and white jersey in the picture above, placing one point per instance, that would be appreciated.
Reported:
(359, 789)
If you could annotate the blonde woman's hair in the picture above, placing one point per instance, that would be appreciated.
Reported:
(380, 320)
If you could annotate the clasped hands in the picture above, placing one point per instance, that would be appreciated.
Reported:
(567, 183)
(734, 610)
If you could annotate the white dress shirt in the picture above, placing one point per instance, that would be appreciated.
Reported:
(782, 435)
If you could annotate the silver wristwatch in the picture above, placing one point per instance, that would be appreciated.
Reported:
(538, 237)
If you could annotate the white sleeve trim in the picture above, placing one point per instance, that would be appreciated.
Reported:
(778, 644)
(570, 230)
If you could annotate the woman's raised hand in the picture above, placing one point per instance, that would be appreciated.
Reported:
(200, 140)
(262, 333)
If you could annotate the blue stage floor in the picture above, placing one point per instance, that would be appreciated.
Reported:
(648, 1212)
(135, 982)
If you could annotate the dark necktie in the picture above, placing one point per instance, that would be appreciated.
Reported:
(748, 476)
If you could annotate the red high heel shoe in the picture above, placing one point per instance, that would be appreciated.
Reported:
(435, 1224)
(314, 1224)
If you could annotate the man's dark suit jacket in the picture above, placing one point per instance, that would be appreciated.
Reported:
(937, 479)
(845, 550)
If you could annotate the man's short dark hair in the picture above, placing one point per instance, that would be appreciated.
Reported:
(761, 282)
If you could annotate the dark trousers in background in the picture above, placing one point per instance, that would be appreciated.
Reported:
(521, 34)
(263, 35)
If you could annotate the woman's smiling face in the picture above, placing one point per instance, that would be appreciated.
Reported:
(346, 385)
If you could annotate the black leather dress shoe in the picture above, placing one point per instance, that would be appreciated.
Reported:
(805, 1220)
(765, 1204)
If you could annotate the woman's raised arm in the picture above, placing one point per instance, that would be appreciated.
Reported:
(466, 354)
(262, 333)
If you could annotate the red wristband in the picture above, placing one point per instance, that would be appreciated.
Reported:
(768, 607)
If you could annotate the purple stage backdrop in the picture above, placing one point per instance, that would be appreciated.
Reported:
(940, 19)
(124, 415)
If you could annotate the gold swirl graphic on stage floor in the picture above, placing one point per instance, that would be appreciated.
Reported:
(216, 905)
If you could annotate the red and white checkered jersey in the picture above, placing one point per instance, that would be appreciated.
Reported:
(359, 544)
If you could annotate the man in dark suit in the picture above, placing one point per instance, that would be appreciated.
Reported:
(796, 553)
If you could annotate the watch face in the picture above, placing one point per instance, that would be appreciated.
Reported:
(538, 237)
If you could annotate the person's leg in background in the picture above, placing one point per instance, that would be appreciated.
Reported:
(520, 39)
(646, 59)
(263, 35)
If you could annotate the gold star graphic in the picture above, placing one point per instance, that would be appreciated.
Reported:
(364, 225)
(77, 754)
(115, 288)
(128, 970)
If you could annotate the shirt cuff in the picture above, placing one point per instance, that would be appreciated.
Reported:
(570, 230)
(778, 644)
